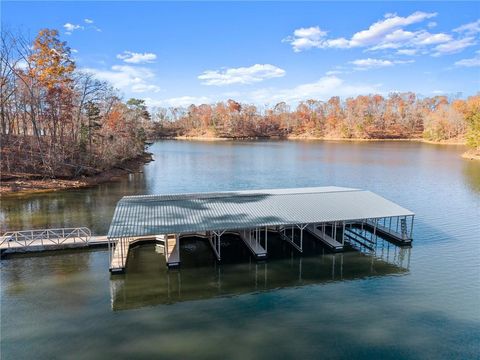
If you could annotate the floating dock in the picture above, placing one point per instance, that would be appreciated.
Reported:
(37, 240)
(330, 214)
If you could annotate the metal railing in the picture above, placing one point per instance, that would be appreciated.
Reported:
(27, 238)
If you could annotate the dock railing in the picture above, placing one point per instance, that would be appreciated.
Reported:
(43, 237)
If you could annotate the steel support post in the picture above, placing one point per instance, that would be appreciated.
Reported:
(411, 228)
(266, 238)
(301, 227)
(217, 242)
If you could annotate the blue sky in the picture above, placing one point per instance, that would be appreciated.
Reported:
(176, 53)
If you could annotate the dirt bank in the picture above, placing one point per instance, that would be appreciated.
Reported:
(472, 155)
(313, 138)
(29, 183)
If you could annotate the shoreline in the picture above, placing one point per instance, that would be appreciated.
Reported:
(311, 138)
(21, 185)
(471, 155)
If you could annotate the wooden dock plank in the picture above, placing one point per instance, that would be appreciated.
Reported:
(172, 255)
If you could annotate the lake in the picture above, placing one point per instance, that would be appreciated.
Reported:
(395, 303)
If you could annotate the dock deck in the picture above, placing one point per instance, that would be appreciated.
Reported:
(120, 252)
(251, 239)
(49, 239)
(388, 233)
(172, 253)
(324, 238)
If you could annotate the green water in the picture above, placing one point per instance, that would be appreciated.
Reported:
(418, 303)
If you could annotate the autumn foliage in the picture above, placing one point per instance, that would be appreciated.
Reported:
(56, 121)
(397, 116)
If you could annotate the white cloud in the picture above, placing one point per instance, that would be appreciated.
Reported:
(409, 52)
(454, 46)
(137, 58)
(386, 32)
(322, 89)
(369, 63)
(306, 38)
(21, 65)
(333, 72)
(390, 33)
(181, 101)
(472, 62)
(411, 40)
(70, 28)
(241, 75)
(425, 38)
(377, 32)
(75, 51)
(127, 78)
(470, 28)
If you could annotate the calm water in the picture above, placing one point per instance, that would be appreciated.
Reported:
(418, 303)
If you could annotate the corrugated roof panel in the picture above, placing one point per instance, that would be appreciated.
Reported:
(182, 213)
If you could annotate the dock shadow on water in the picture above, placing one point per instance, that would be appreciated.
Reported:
(148, 282)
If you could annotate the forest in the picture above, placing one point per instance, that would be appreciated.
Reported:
(59, 122)
(398, 116)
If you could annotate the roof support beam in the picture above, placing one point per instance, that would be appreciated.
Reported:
(215, 242)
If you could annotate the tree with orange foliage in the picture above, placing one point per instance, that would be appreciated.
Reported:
(51, 61)
(52, 67)
(56, 121)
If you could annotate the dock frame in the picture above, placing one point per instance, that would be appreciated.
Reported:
(362, 231)
(119, 250)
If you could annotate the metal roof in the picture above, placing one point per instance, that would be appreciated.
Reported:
(188, 213)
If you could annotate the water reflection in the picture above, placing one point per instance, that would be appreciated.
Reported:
(148, 283)
(471, 172)
(90, 207)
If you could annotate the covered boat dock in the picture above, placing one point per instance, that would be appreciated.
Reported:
(333, 215)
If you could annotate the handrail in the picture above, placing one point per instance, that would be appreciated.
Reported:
(56, 236)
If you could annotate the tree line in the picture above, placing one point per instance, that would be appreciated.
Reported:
(57, 121)
(398, 116)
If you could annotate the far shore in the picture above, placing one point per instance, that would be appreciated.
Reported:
(23, 184)
(313, 138)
